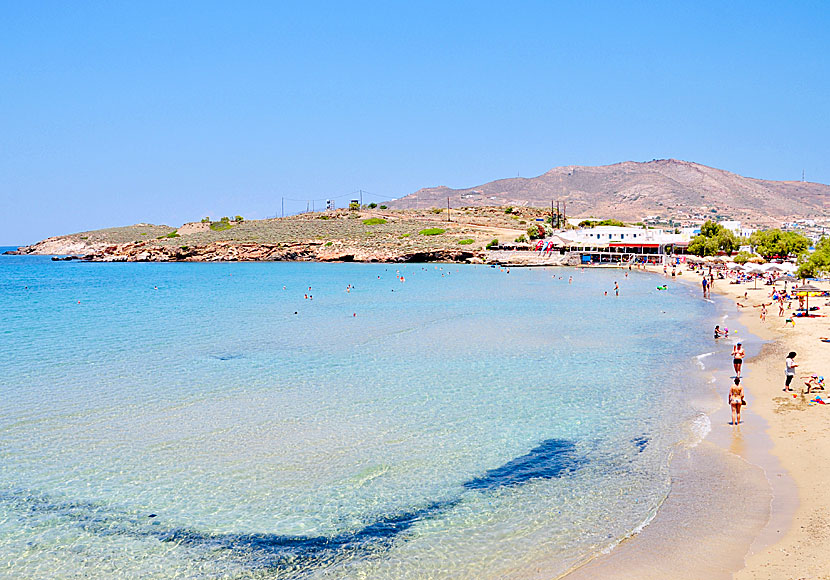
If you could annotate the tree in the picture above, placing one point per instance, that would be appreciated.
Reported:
(818, 263)
(742, 257)
(713, 238)
(771, 243)
(372, 205)
(238, 218)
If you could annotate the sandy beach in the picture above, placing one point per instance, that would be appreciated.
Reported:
(780, 437)
(796, 427)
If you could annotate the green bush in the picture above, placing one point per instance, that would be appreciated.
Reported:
(324, 217)
(205, 220)
(354, 206)
(592, 224)
(172, 234)
(432, 232)
(383, 207)
(493, 243)
(521, 239)
(220, 226)
(508, 210)
(404, 236)
(372, 205)
(238, 218)
(742, 257)
(436, 210)
(466, 242)
(225, 219)
(329, 243)
(374, 221)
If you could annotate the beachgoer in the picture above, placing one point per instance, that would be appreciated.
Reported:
(815, 383)
(616, 288)
(718, 332)
(738, 358)
(705, 284)
(736, 400)
(789, 373)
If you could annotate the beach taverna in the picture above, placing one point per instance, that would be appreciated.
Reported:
(616, 244)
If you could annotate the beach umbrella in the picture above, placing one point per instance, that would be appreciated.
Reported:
(735, 266)
(806, 289)
(772, 268)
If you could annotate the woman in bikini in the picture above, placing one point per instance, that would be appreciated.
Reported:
(736, 400)
(737, 358)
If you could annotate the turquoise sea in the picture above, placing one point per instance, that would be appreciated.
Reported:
(200, 420)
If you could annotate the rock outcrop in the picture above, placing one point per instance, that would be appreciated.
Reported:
(253, 252)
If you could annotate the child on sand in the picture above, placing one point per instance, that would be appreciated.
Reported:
(814, 383)
(789, 373)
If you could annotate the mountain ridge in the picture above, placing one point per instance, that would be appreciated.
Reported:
(633, 190)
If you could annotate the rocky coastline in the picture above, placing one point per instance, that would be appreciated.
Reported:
(254, 252)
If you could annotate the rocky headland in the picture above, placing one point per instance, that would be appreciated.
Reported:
(341, 235)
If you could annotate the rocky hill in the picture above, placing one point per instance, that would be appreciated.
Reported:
(370, 235)
(631, 191)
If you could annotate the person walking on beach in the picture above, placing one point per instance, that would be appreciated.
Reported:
(789, 373)
(736, 400)
(705, 284)
(737, 359)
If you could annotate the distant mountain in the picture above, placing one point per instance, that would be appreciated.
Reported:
(633, 191)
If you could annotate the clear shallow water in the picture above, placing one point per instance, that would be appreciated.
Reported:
(466, 423)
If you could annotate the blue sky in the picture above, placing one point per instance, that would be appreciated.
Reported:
(116, 113)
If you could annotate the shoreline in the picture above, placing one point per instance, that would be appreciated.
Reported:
(696, 519)
(780, 434)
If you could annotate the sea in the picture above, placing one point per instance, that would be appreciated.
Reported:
(308, 420)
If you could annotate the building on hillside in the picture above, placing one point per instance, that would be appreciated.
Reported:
(734, 226)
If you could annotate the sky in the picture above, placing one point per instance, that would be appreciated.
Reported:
(114, 113)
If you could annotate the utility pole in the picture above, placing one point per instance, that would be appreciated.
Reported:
(361, 197)
(282, 202)
(564, 219)
(448, 210)
(552, 222)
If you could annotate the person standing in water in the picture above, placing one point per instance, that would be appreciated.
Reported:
(737, 358)
(736, 400)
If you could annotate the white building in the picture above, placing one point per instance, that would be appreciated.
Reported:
(632, 235)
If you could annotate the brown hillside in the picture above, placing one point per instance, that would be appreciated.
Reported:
(632, 191)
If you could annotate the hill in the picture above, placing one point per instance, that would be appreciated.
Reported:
(668, 188)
